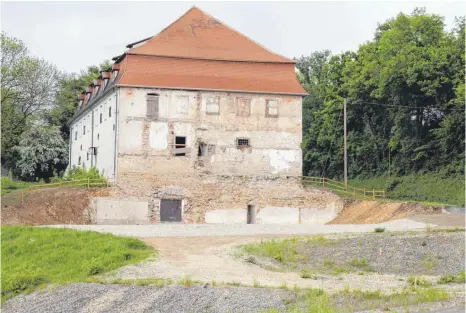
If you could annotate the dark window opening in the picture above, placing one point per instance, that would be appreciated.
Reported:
(75, 135)
(84, 129)
(98, 136)
(202, 151)
(81, 148)
(242, 142)
(100, 117)
(87, 157)
(110, 112)
(79, 161)
(180, 143)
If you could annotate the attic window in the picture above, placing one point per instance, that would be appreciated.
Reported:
(105, 83)
(242, 142)
(212, 105)
(96, 89)
(271, 108)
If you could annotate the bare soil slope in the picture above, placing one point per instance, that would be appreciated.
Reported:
(48, 206)
(372, 212)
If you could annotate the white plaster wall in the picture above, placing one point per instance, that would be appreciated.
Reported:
(103, 135)
(158, 137)
(275, 142)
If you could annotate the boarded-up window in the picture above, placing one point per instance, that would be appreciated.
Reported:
(182, 105)
(243, 105)
(213, 105)
(152, 106)
(271, 108)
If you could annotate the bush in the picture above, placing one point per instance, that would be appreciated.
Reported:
(379, 230)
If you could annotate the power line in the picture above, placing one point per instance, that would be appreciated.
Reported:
(405, 106)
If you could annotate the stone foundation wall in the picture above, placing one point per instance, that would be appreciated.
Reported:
(205, 192)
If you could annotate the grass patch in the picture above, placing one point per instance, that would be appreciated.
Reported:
(306, 273)
(361, 264)
(416, 281)
(9, 185)
(460, 278)
(35, 256)
(283, 251)
(379, 230)
(422, 188)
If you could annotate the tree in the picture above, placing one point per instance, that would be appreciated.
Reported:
(29, 86)
(405, 91)
(65, 101)
(41, 151)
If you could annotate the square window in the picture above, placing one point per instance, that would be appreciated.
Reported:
(182, 105)
(242, 142)
(213, 105)
(243, 105)
(272, 108)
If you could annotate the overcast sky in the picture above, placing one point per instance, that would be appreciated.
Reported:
(74, 35)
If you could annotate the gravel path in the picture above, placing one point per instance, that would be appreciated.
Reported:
(426, 253)
(190, 230)
(100, 298)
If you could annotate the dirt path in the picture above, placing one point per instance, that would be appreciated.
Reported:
(211, 259)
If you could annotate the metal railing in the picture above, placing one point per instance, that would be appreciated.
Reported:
(338, 186)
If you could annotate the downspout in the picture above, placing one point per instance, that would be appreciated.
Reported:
(115, 147)
(92, 137)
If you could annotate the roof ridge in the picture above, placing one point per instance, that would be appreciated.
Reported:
(228, 27)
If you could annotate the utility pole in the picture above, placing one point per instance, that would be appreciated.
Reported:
(344, 140)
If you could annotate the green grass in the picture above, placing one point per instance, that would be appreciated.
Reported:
(460, 278)
(32, 257)
(317, 301)
(422, 188)
(9, 185)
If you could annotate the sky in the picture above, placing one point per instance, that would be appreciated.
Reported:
(74, 35)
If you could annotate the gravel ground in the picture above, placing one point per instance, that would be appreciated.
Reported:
(192, 230)
(426, 253)
(101, 298)
(111, 298)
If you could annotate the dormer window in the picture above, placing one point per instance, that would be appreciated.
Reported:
(96, 89)
(105, 82)
(115, 69)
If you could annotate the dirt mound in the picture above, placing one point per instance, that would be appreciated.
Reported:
(48, 206)
(371, 212)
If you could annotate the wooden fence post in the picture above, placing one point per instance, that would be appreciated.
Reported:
(88, 183)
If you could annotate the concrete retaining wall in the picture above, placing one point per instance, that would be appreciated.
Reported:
(231, 216)
(120, 211)
(273, 215)
(317, 216)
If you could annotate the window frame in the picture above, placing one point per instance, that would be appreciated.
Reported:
(155, 112)
(267, 108)
(237, 106)
(207, 104)
(178, 108)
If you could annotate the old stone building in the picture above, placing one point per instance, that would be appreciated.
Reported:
(195, 118)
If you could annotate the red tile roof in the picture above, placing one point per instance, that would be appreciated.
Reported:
(138, 70)
(200, 36)
(199, 52)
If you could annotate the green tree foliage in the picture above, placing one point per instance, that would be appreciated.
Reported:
(29, 86)
(41, 151)
(35, 96)
(70, 86)
(405, 91)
